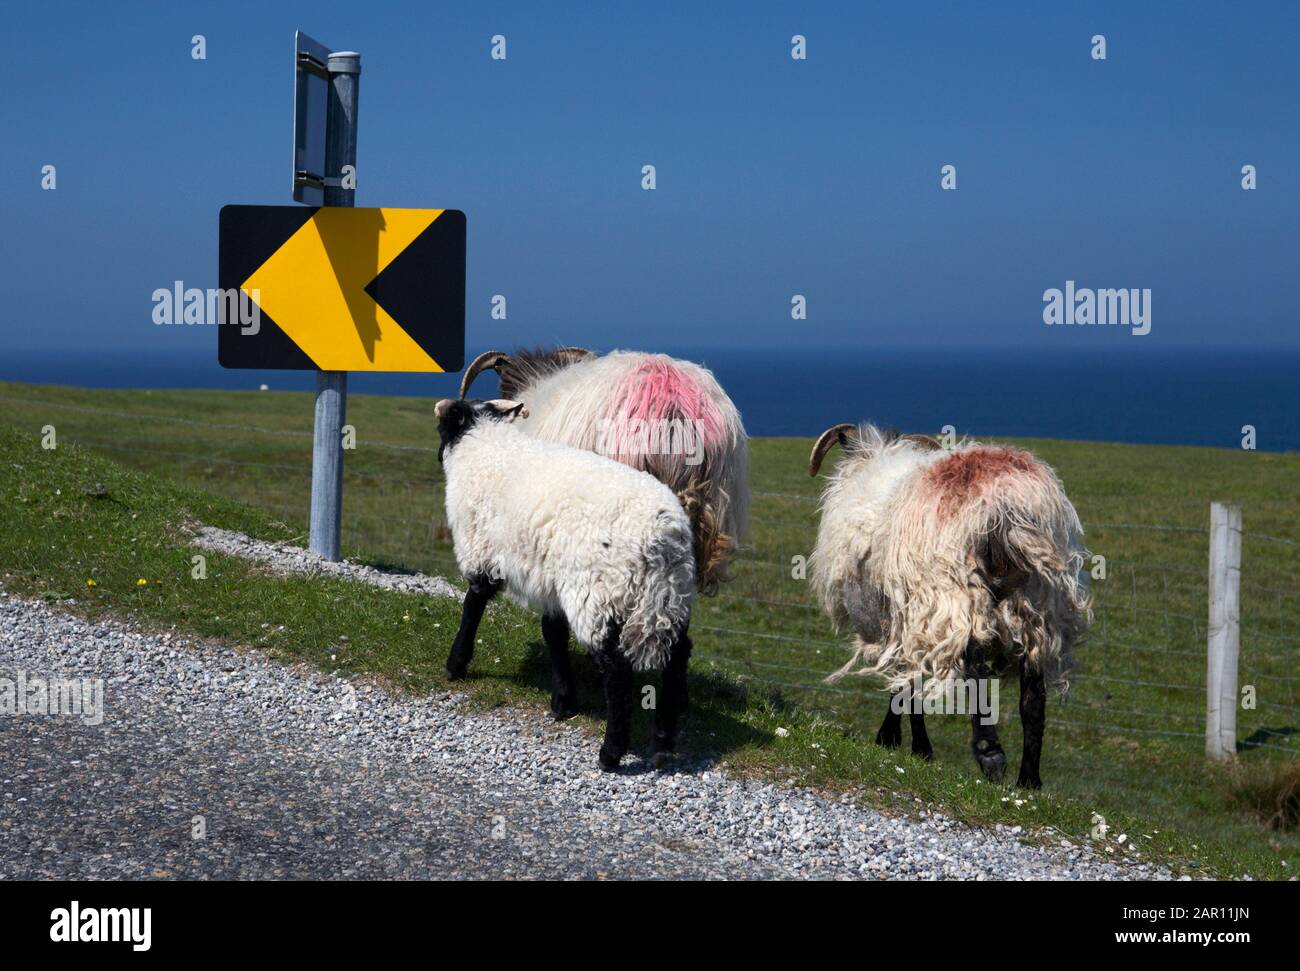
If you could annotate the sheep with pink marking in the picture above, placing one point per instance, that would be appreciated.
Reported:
(655, 413)
(950, 565)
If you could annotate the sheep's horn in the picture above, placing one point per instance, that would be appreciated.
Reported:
(488, 360)
(927, 442)
(572, 355)
(835, 435)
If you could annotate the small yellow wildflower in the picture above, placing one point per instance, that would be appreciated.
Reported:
(91, 583)
(142, 582)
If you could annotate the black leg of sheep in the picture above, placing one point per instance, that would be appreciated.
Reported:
(921, 746)
(891, 729)
(681, 659)
(616, 670)
(984, 738)
(673, 703)
(564, 693)
(1033, 716)
(481, 589)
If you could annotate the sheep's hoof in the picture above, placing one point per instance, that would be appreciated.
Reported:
(609, 760)
(663, 748)
(563, 709)
(993, 764)
(891, 740)
(1027, 781)
(456, 672)
(926, 754)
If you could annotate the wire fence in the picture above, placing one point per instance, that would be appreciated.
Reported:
(1142, 672)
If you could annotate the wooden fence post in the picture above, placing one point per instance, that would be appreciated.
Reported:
(1224, 634)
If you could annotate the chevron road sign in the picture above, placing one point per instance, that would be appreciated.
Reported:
(339, 289)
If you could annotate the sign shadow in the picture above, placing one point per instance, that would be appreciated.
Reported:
(367, 224)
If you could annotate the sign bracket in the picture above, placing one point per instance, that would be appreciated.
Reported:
(313, 65)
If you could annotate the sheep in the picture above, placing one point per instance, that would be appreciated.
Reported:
(950, 562)
(664, 416)
(593, 544)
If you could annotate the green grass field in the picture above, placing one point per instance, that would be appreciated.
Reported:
(1128, 743)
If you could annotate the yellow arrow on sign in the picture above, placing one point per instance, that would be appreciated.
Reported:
(313, 287)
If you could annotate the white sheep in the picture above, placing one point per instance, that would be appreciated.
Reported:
(947, 563)
(664, 416)
(595, 545)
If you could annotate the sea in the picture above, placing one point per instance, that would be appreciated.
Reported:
(1186, 396)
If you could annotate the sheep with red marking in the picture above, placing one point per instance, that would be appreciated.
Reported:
(655, 413)
(950, 564)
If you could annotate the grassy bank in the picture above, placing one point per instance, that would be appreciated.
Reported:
(1126, 745)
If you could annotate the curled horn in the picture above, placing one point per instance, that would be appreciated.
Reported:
(488, 360)
(928, 443)
(572, 355)
(835, 435)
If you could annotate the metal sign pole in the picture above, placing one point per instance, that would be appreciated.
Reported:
(332, 386)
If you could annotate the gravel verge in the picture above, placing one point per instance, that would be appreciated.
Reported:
(298, 774)
(283, 558)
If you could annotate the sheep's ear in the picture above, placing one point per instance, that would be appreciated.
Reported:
(440, 409)
(508, 409)
(835, 435)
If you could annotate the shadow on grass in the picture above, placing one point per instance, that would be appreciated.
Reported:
(384, 565)
(1266, 736)
(713, 727)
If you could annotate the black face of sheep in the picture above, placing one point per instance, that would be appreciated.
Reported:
(456, 417)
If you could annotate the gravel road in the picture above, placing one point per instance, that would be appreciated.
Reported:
(296, 774)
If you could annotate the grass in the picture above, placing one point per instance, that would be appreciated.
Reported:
(1270, 792)
(762, 647)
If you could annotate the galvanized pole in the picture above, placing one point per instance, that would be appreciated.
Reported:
(1224, 639)
(332, 386)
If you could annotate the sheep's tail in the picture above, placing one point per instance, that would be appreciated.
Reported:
(711, 544)
(661, 609)
(1040, 605)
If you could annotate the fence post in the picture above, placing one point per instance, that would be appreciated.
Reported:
(1224, 633)
(332, 386)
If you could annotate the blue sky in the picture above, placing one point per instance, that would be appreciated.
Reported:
(775, 177)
